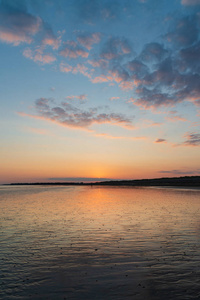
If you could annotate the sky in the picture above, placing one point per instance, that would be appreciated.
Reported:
(105, 89)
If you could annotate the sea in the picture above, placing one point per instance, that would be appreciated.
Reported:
(98, 242)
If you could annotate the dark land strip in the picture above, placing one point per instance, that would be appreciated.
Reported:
(186, 181)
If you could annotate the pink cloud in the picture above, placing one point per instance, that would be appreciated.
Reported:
(79, 68)
(100, 79)
(108, 136)
(18, 27)
(101, 63)
(72, 50)
(176, 119)
(147, 124)
(65, 68)
(78, 97)
(13, 38)
(38, 56)
(114, 98)
(51, 41)
(127, 85)
(87, 40)
(116, 76)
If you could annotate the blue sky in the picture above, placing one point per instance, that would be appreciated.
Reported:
(99, 89)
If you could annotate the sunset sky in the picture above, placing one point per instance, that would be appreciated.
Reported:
(99, 89)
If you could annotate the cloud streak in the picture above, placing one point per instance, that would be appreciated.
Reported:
(180, 172)
(70, 116)
(192, 139)
(160, 141)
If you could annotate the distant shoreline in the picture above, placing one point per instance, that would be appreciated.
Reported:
(186, 181)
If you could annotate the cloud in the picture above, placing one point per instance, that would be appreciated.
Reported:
(153, 52)
(91, 11)
(112, 137)
(38, 56)
(127, 85)
(146, 123)
(151, 98)
(190, 2)
(189, 58)
(162, 74)
(100, 63)
(176, 119)
(180, 172)
(160, 141)
(70, 116)
(185, 32)
(115, 47)
(165, 74)
(137, 69)
(79, 68)
(73, 50)
(81, 97)
(66, 68)
(192, 139)
(16, 24)
(100, 79)
(114, 98)
(49, 38)
(38, 131)
(158, 76)
(88, 39)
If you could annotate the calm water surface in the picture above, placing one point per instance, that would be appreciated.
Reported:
(99, 243)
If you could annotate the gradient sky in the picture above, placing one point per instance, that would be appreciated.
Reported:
(99, 88)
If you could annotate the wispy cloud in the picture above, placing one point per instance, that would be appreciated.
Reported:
(192, 139)
(114, 98)
(180, 172)
(160, 141)
(37, 131)
(190, 2)
(91, 11)
(81, 97)
(113, 137)
(70, 116)
(176, 119)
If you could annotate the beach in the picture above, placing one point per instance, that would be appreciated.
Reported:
(82, 242)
